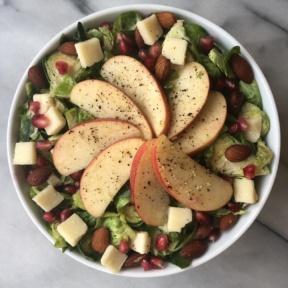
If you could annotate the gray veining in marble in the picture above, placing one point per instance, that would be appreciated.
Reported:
(258, 259)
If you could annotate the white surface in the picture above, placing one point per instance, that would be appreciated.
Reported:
(258, 259)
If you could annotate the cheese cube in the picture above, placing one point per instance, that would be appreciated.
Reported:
(244, 191)
(72, 229)
(141, 242)
(48, 198)
(174, 49)
(113, 259)
(53, 180)
(150, 29)
(89, 52)
(253, 132)
(45, 100)
(177, 218)
(56, 121)
(25, 153)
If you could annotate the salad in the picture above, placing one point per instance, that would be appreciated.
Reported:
(141, 140)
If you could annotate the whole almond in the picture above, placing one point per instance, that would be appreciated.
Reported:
(138, 39)
(100, 240)
(134, 260)
(227, 221)
(68, 48)
(238, 152)
(37, 77)
(166, 19)
(162, 68)
(39, 175)
(203, 231)
(242, 68)
(193, 249)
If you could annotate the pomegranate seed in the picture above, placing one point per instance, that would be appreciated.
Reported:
(106, 25)
(44, 145)
(213, 235)
(65, 214)
(234, 207)
(155, 50)
(40, 121)
(50, 217)
(143, 54)
(123, 247)
(249, 171)
(231, 85)
(128, 39)
(62, 67)
(125, 43)
(42, 161)
(219, 84)
(34, 106)
(77, 184)
(150, 63)
(157, 262)
(234, 128)
(146, 265)
(202, 218)
(77, 175)
(70, 189)
(242, 123)
(206, 43)
(161, 242)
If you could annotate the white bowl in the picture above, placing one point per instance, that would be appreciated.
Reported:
(264, 184)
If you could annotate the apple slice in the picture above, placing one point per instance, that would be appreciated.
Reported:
(206, 127)
(150, 199)
(104, 100)
(106, 174)
(187, 181)
(139, 84)
(187, 97)
(76, 148)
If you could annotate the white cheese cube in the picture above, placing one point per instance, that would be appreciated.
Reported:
(177, 218)
(89, 52)
(48, 198)
(54, 180)
(45, 100)
(244, 191)
(174, 49)
(72, 229)
(56, 121)
(141, 242)
(113, 259)
(150, 29)
(253, 131)
(25, 153)
(177, 30)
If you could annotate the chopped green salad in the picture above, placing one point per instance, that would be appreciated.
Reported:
(102, 111)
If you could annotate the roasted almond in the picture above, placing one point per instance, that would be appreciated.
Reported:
(37, 77)
(138, 39)
(238, 152)
(166, 19)
(68, 48)
(242, 68)
(39, 175)
(162, 68)
(193, 249)
(134, 260)
(203, 231)
(227, 221)
(100, 240)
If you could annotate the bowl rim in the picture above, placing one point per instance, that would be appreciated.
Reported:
(146, 8)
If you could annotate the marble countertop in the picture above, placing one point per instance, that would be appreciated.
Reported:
(258, 259)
